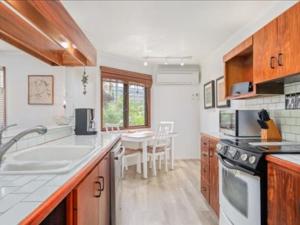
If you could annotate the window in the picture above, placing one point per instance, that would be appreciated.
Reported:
(125, 98)
(2, 97)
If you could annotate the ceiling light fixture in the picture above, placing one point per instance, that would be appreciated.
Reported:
(146, 61)
(166, 60)
(64, 44)
(181, 62)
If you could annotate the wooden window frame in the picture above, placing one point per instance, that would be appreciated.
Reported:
(128, 77)
(4, 85)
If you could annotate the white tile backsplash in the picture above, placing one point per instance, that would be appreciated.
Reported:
(287, 120)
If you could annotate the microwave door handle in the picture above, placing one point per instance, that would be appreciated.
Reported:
(234, 167)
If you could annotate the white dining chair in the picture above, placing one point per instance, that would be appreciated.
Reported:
(161, 146)
(130, 152)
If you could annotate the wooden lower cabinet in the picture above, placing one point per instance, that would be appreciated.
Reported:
(283, 196)
(210, 172)
(104, 204)
(91, 198)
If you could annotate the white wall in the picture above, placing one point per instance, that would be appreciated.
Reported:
(213, 67)
(176, 103)
(168, 102)
(18, 67)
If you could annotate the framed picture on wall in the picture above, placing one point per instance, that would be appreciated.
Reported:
(221, 101)
(40, 89)
(209, 95)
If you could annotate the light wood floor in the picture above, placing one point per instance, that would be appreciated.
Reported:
(171, 198)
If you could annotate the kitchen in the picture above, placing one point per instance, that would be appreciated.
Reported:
(128, 112)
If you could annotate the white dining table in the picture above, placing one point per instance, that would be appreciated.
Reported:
(144, 138)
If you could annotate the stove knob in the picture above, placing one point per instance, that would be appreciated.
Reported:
(252, 159)
(244, 157)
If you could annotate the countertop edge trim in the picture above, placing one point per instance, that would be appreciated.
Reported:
(44, 209)
(284, 163)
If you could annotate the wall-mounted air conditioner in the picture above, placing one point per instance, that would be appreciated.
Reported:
(178, 75)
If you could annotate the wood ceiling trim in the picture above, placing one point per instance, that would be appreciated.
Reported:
(53, 20)
(19, 33)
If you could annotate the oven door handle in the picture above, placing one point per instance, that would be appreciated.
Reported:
(234, 167)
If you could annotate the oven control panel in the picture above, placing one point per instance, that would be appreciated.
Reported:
(239, 155)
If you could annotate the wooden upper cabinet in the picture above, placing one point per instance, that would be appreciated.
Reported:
(265, 48)
(277, 47)
(45, 30)
(283, 196)
(289, 41)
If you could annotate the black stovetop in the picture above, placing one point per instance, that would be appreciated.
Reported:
(266, 149)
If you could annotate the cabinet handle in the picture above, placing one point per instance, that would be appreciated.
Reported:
(101, 178)
(271, 62)
(99, 194)
(204, 154)
(280, 59)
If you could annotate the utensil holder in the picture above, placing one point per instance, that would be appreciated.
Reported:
(272, 133)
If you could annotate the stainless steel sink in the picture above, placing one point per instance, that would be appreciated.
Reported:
(45, 159)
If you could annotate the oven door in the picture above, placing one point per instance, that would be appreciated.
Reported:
(240, 200)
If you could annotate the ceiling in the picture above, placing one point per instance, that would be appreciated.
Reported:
(162, 28)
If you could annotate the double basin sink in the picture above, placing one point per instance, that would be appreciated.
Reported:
(45, 159)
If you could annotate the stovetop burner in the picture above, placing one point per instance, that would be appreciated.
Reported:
(264, 149)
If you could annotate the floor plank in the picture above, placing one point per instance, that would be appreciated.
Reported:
(171, 198)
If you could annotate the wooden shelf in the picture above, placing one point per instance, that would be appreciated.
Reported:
(239, 68)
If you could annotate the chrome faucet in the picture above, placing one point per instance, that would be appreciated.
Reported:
(5, 147)
(4, 128)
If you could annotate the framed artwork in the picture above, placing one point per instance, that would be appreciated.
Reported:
(40, 89)
(220, 93)
(209, 95)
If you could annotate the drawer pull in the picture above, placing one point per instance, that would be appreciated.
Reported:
(272, 62)
(101, 178)
(280, 59)
(99, 190)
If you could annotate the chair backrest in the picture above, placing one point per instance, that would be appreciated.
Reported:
(112, 128)
(166, 127)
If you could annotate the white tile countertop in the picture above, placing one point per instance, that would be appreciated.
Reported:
(293, 158)
(22, 194)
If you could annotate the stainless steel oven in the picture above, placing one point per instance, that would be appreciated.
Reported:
(117, 155)
(239, 123)
(240, 197)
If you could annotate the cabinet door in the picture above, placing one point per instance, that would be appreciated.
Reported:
(86, 200)
(265, 53)
(283, 196)
(213, 177)
(205, 159)
(288, 36)
(205, 167)
(104, 201)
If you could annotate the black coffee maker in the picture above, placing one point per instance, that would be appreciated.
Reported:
(85, 122)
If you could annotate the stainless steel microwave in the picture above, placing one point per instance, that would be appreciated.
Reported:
(239, 123)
